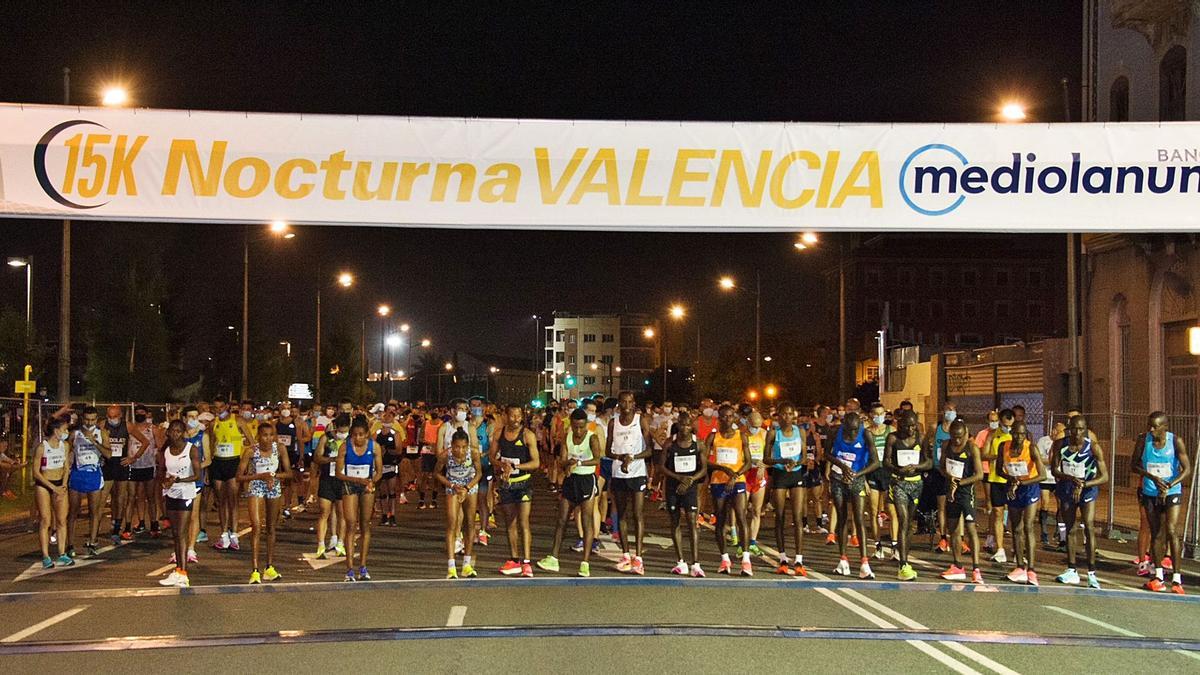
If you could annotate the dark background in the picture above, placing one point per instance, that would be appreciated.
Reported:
(475, 290)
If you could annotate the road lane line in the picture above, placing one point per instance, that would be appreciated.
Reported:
(457, 614)
(1115, 629)
(922, 647)
(162, 570)
(43, 625)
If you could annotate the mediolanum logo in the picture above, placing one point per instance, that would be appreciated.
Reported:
(937, 178)
(98, 164)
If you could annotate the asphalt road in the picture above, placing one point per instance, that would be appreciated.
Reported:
(108, 613)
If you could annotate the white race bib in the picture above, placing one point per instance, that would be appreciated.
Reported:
(955, 468)
(266, 464)
(727, 456)
(1159, 469)
(1017, 469)
(88, 457)
(909, 457)
(756, 450)
(116, 449)
(226, 450)
(412, 450)
(685, 464)
(358, 470)
(789, 449)
(285, 441)
(1074, 470)
(389, 468)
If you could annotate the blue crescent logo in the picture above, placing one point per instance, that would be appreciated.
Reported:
(39, 164)
(904, 171)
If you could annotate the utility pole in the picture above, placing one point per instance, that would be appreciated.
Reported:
(64, 300)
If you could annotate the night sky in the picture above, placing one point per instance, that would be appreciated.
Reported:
(476, 290)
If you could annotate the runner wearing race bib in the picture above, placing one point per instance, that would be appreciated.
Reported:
(329, 488)
(961, 468)
(89, 453)
(1161, 459)
(515, 454)
(878, 482)
(227, 438)
(359, 466)
(629, 445)
(683, 465)
(907, 461)
(51, 463)
(458, 471)
(1021, 466)
(265, 466)
(729, 459)
(788, 458)
(180, 467)
(580, 455)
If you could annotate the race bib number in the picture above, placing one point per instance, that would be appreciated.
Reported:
(116, 449)
(426, 449)
(88, 457)
(389, 468)
(412, 450)
(265, 465)
(1074, 470)
(53, 462)
(358, 470)
(1159, 469)
(909, 457)
(789, 449)
(226, 450)
(756, 450)
(847, 457)
(1017, 469)
(955, 468)
(727, 456)
(333, 469)
(285, 441)
(685, 464)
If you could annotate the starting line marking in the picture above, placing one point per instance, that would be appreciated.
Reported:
(457, 614)
(1116, 629)
(43, 625)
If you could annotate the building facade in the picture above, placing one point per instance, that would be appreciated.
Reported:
(588, 354)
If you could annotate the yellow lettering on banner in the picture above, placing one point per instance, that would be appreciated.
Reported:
(283, 178)
(97, 160)
(780, 174)
(681, 175)
(204, 184)
(832, 158)
(502, 188)
(409, 173)
(441, 180)
(383, 189)
(72, 144)
(634, 196)
(751, 195)
(260, 176)
(333, 168)
(606, 158)
(122, 165)
(552, 193)
(868, 161)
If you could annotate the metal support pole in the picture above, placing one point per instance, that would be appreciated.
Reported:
(757, 329)
(245, 313)
(28, 297)
(1074, 392)
(64, 300)
(317, 382)
(841, 378)
(1112, 474)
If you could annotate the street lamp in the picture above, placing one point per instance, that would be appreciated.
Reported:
(728, 284)
(27, 263)
(810, 239)
(649, 333)
(285, 343)
(449, 366)
(426, 343)
(1013, 111)
(345, 280)
(114, 96)
(278, 232)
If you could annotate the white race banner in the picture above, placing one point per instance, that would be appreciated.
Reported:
(167, 165)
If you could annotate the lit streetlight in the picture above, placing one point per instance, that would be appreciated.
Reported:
(280, 233)
(426, 343)
(728, 284)
(771, 391)
(810, 239)
(384, 310)
(27, 263)
(114, 96)
(677, 311)
(1012, 112)
(404, 328)
(649, 333)
(394, 341)
(449, 366)
(345, 280)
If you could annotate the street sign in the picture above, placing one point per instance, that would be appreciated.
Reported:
(300, 391)
(25, 386)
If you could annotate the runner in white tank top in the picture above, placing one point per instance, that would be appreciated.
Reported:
(629, 445)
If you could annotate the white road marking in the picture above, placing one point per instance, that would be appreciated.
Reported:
(1115, 629)
(162, 570)
(43, 625)
(331, 557)
(36, 570)
(923, 647)
(457, 614)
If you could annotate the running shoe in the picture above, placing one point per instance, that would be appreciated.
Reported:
(1000, 557)
(1166, 563)
(843, 568)
(451, 573)
(578, 547)
(990, 544)
(340, 549)
(363, 574)
(421, 506)
(639, 568)
(1155, 585)
(526, 570)
(383, 521)
(696, 571)
(879, 554)
(141, 527)
(726, 567)
(954, 573)
(906, 573)
(47, 563)
(402, 499)
(171, 579)
(1144, 568)
(510, 568)
(625, 563)
(1177, 589)
(1018, 576)
(255, 577)
(977, 576)
(349, 576)
(233, 542)
(184, 581)
(1070, 577)
(1093, 582)
(754, 549)
(712, 520)
(65, 560)
(854, 541)
(221, 544)
(785, 570)
(680, 569)
(483, 539)
(320, 553)
(91, 548)
(469, 571)
(943, 545)
(585, 569)
(492, 520)
(71, 551)
(595, 546)
(202, 537)
(192, 557)
(287, 514)
(799, 571)
(966, 550)
(271, 574)
(1031, 578)
(172, 560)
(747, 568)
(549, 563)
(864, 570)
(830, 539)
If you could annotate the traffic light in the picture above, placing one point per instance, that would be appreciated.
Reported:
(646, 382)
(570, 382)
(537, 403)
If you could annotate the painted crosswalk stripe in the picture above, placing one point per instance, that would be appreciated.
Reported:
(457, 614)
(1115, 629)
(43, 625)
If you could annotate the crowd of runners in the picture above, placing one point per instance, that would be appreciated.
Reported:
(844, 477)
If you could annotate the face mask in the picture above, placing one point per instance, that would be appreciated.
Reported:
(89, 427)
(62, 435)
(387, 425)
(708, 412)
(993, 425)
(248, 414)
(460, 415)
(878, 419)
(114, 421)
(666, 411)
(342, 435)
(285, 413)
(755, 430)
(829, 418)
(950, 415)
(1005, 429)
(224, 414)
(476, 412)
(193, 424)
(591, 417)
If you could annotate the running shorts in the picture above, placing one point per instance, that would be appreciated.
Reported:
(935, 482)
(1151, 502)
(756, 479)
(578, 488)
(681, 502)
(329, 489)
(963, 505)
(142, 475)
(840, 490)
(428, 463)
(998, 494)
(223, 468)
(879, 479)
(629, 484)
(516, 493)
(86, 482)
(906, 494)
(258, 488)
(1027, 495)
(114, 471)
(786, 480)
(1066, 495)
(175, 504)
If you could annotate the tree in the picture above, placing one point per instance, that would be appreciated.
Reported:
(18, 349)
(341, 371)
(128, 354)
